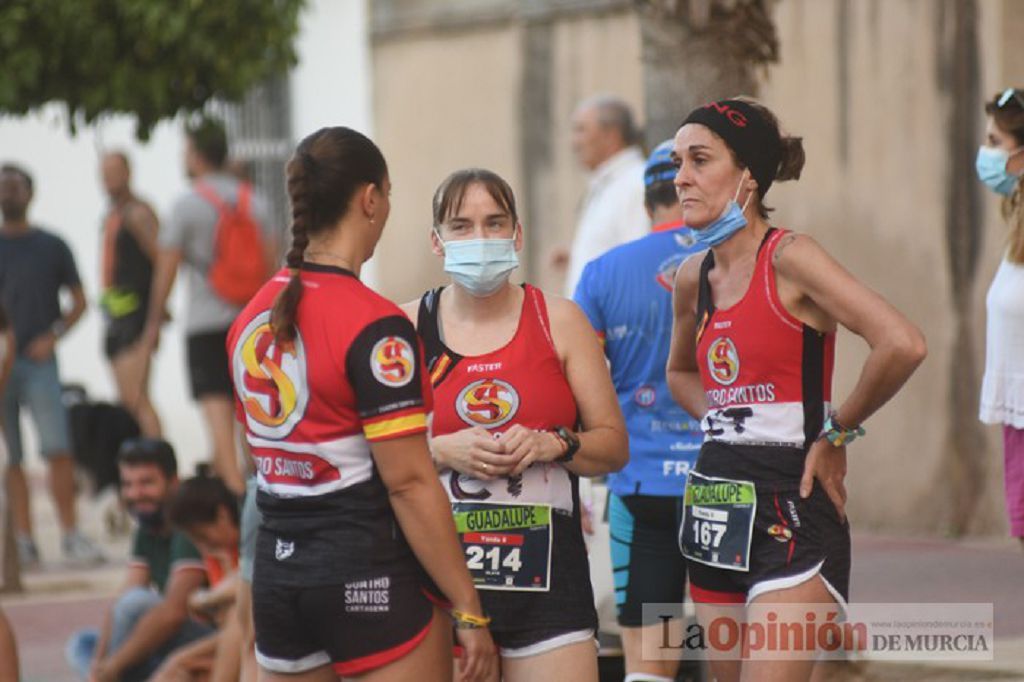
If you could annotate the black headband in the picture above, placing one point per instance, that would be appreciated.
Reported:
(754, 141)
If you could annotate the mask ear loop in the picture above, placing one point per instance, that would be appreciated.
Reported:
(736, 196)
(438, 235)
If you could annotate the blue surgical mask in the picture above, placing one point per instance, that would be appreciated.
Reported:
(480, 266)
(991, 167)
(726, 225)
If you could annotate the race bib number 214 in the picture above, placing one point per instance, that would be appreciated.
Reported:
(507, 546)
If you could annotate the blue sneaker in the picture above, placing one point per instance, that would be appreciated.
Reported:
(81, 650)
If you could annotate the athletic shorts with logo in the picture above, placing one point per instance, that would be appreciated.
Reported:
(793, 540)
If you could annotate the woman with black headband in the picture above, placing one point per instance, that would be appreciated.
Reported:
(752, 350)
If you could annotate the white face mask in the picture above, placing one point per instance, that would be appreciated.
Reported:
(480, 266)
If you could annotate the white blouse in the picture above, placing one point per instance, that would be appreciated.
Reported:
(1002, 389)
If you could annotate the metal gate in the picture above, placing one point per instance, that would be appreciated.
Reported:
(260, 141)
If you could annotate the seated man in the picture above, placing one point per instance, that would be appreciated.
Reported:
(207, 512)
(150, 618)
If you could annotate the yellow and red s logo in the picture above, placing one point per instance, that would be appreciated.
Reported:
(780, 532)
(393, 361)
(489, 403)
(270, 379)
(723, 361)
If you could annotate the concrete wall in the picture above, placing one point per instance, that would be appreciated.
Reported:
(863, 81)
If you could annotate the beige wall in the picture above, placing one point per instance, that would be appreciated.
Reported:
(880, 210)
(439, 105)
(882, 214)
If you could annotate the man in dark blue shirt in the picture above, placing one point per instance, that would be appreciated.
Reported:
(35, 266)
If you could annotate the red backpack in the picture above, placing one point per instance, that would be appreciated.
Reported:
(239, 265)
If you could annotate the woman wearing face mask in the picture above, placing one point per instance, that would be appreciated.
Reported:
(523, 406)
(752, 350)
(1001, 167)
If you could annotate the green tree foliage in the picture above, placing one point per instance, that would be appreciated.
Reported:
(149, 58)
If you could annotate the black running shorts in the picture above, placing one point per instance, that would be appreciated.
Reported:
(209, 370)
(793, 540)
(355, 627)
(646, 564)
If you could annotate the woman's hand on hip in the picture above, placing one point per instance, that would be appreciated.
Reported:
(827, 463)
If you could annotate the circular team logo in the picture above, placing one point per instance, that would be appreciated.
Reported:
(644, 396)
(488, 403)
(270, 379)
(723, 361)
(393, 361)
(780, 532)
(666, 275)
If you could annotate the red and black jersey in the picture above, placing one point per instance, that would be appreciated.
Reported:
(351, 376)
(519, 383)
(767, 375)
(311, 407)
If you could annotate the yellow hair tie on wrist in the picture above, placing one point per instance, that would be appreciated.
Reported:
(468, 621)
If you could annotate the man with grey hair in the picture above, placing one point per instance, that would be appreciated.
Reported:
(604, 140)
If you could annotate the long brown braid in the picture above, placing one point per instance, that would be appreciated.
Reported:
(322, 177)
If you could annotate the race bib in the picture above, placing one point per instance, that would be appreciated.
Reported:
(507, 546)
(718, 521)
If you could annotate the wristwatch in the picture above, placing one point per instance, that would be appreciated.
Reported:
(572, 443)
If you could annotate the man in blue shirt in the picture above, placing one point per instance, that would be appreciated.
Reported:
(35, 267)
(627, 294)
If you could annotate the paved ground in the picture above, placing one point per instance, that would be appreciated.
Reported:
(60, 599)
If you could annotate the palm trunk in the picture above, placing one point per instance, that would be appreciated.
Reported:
(963, 472)
(682, 70)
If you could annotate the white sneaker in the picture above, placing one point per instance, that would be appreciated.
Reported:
(28, 553)
(81, 550)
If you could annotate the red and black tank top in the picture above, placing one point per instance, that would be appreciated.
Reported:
(767, 376)
(520, 383)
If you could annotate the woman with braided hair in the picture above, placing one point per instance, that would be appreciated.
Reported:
(331, 390)
(752, 350)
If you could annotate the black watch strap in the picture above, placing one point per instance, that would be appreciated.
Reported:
(572, 443)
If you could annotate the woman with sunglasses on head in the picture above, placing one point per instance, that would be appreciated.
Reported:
(334, 398)
(1000, 166)
(523, 406)
(752, 351)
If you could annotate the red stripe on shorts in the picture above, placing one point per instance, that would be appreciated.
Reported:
(702, 596)
(381, 658)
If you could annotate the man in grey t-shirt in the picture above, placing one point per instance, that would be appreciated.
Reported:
(188, 239)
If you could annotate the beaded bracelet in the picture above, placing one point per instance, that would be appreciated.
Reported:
(838, 435)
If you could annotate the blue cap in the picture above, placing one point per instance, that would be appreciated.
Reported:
(659, 166)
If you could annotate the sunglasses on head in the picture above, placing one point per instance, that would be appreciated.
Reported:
(1010, 95)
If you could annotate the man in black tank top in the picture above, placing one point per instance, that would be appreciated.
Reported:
(127, 252)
